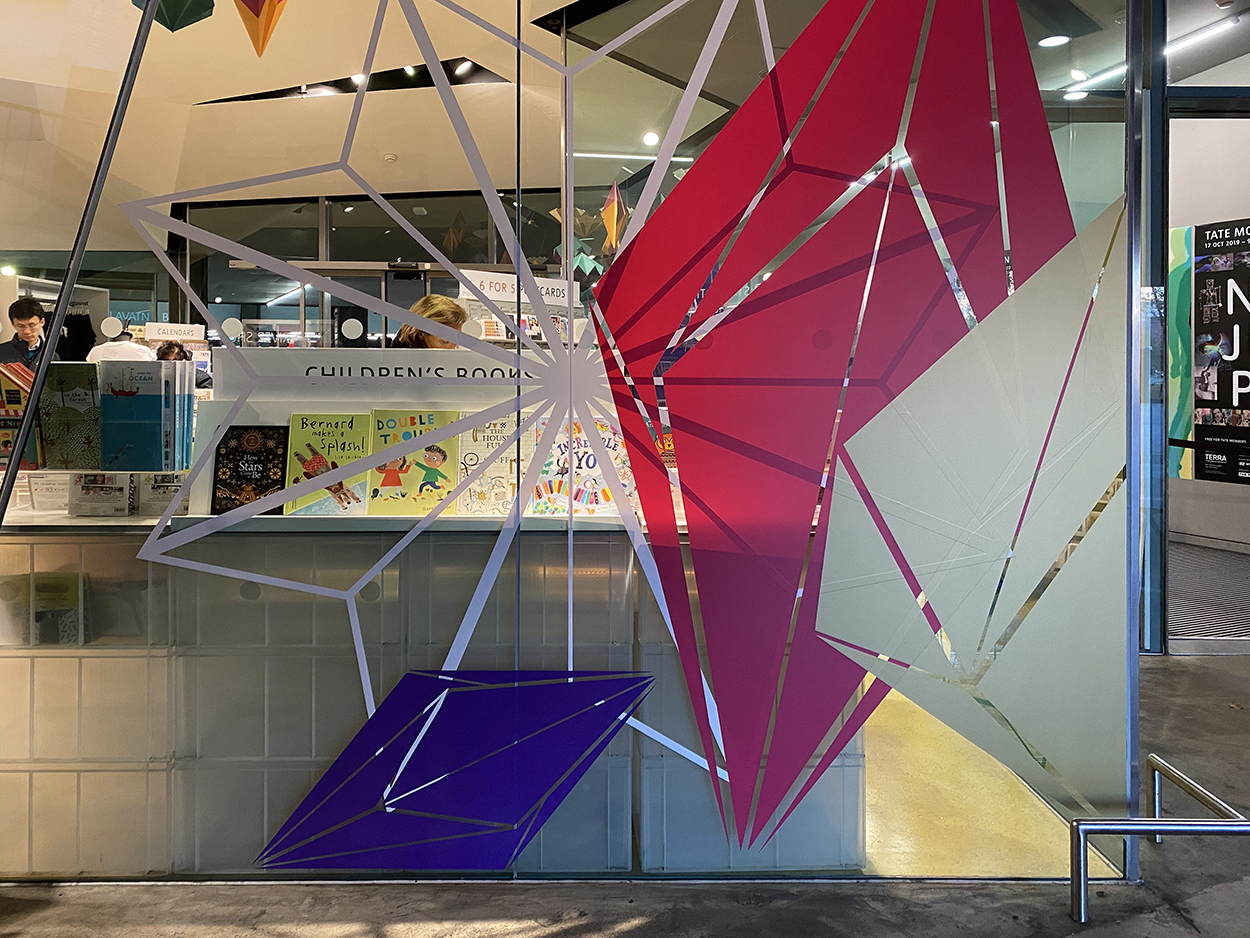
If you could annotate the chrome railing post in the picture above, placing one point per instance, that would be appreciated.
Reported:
(1079, 871)
(1230, 822)
(1156, 794)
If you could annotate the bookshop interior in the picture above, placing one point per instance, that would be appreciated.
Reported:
(376, 368)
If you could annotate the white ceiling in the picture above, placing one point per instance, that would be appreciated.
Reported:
(61, 60)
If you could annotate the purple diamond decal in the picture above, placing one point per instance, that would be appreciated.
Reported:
(457, 770)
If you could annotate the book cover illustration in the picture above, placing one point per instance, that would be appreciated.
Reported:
(135, 401)
(319, 443)
(416, 483)
(69, 416)
(16, 380)
(250, 463)
(591, 495)
(492, 493)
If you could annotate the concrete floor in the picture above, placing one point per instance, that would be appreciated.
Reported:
(1192, 886)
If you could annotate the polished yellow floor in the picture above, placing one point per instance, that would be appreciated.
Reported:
(939, 806)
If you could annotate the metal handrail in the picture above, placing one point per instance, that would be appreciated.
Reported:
(1158, 768)
(1229, 822)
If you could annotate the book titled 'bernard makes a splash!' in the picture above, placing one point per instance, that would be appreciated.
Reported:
(320, 444)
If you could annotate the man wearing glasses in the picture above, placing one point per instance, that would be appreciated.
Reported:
(27, 344)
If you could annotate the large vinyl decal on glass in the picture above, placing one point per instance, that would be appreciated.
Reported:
(457, 770)
(869, 380)
(937, 388)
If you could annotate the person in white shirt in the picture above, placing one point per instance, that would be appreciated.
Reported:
(120, 348)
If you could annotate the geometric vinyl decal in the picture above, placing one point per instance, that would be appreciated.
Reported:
(889, 249)
(456, 770)
(901, 190)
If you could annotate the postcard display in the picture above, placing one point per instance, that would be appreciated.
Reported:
(339, 406)
(1221, 358)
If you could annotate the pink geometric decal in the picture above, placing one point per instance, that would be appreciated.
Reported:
(875, 207)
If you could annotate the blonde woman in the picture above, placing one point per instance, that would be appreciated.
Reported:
(440, 309)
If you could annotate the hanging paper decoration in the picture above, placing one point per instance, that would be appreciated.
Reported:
(455, 234)
(175, 14)
(260, 17)
(614, 215)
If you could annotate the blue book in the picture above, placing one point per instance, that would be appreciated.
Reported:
(136, 401)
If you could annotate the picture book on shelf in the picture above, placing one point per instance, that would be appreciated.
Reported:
(69, 416)
(415, 483)
(492, 492)
(141, 416)
(250, 463)
(321, 443)
(16, 381)
(591, 495)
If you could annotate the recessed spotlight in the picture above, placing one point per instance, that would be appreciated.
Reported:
(1078, 75)
(650, 138)
(464, 67)
(216, 299)
(420, 210)
(349, 208)
(409, 71)
(1075, 95)
(1051, 41)
(388, 230)
(359, 79)
(7, 270)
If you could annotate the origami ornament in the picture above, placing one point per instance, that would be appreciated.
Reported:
(175, 14)
(614, 215)
(260, 17)
(455, 233)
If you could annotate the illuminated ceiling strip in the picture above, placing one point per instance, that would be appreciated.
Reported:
(287, 295)
(629, 156)
(1192, 39)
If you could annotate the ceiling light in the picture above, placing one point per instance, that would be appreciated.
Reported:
(630, 156)
(349, 208)
(1100, 77)
(1182, 43)
(1078, 75)
(358, 79)
(216, 299)
(650, 138)
(1200, 35)
(409, 71)
(420, 210)
(284, 296)
(464, 68)
(1051, 41)
(7, 270)
(1075, 95)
